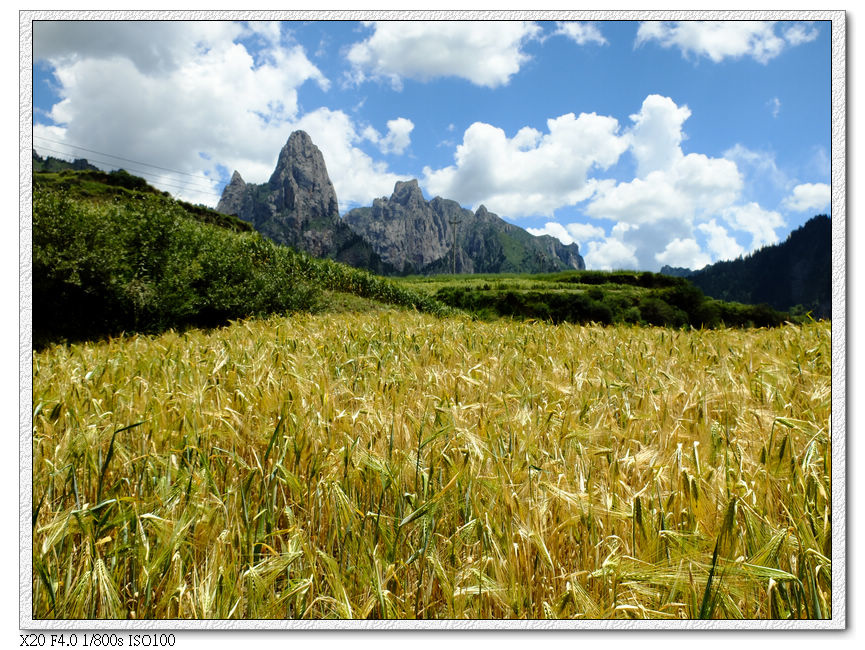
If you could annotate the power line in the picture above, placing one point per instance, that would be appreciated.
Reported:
(149, 175)
(110, 155)
(108, 162)
(152, 177)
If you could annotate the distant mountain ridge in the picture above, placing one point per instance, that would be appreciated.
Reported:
(397, 235)
(794, 273)
(417, 236)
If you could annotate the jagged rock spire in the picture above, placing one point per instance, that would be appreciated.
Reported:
(297, 206)
(300, 181)
(233, 195)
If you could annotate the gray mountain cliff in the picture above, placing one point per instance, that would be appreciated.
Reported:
(416, 236)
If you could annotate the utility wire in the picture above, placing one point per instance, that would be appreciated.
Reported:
(146, 173)
(151, 176)
(102, 153)
(108, 162)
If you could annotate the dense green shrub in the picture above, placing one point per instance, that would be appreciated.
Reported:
(734, 314)
(143, 264)
(685, 297)
(644, 279)
(655, 311)
(631, 315)
(669, 302)
(595, 293)
(556, 307)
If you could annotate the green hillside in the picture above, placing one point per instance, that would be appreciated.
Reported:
(113, 255)
(795, 274)
(119, 184)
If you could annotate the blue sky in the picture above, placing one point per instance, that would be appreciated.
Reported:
(646, 143)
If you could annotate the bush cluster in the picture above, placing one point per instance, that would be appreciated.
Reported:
(143, 264)
(673, 302)
(643, 279)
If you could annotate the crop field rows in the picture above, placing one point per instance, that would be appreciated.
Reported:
(393, 464)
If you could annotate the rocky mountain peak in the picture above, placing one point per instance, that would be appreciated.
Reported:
(233, 195)
(300, 138)
(403, 233)
(300, 183)
(407, 193)
(302, 160)
(298, 206)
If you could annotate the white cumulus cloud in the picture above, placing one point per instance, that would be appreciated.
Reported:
(672, 196)
(721, 244)
(398, 135)
(187, 96)
(486, 53)
(531, 173)
(609, 255)
(397, 139)
(657, 134)
(553, 229)
(719, 40)
(152, 46)
(580, 33)
(683, 252)
(584, 232)
(684, 210)
(757, 221)
(579, 233)
(178, 95)
(693, 187)
(809, 196)
(799, 33)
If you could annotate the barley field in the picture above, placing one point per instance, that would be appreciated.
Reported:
(393, 464)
